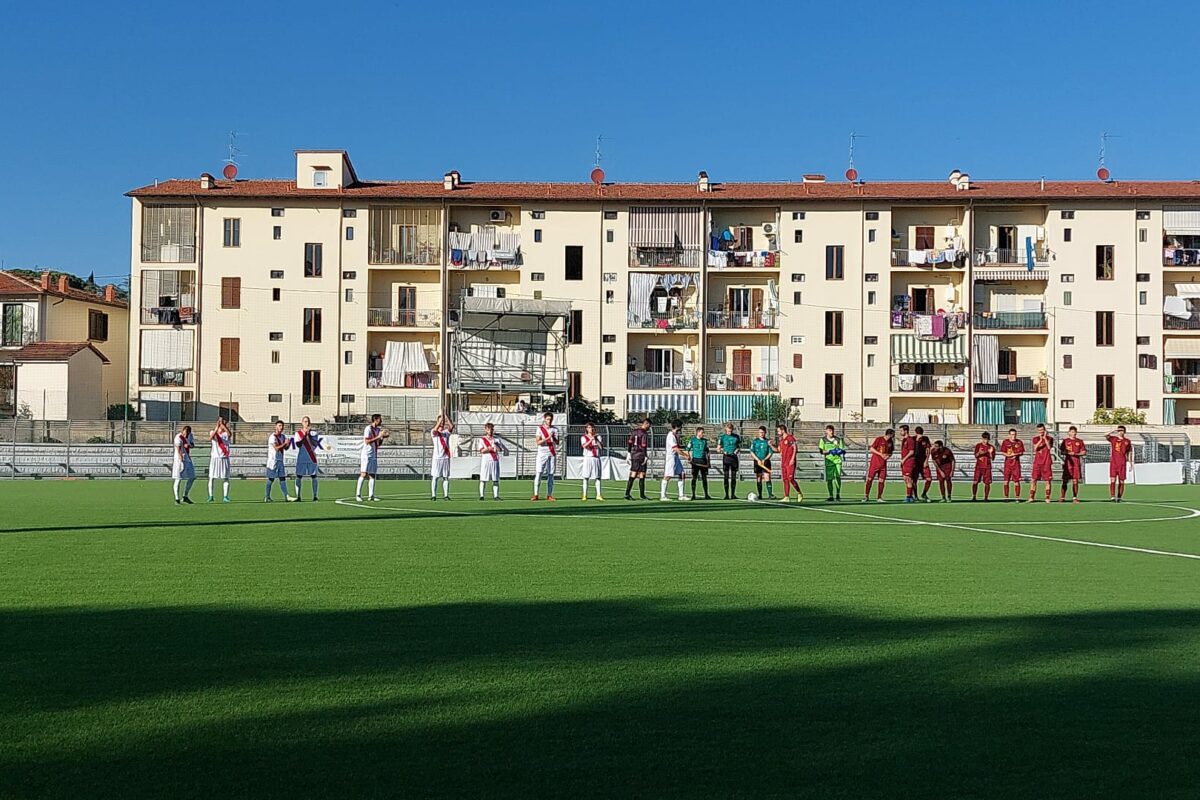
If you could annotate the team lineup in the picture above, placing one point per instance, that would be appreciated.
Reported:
(920, 461)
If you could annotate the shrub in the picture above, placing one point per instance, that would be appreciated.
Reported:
(1118, 416)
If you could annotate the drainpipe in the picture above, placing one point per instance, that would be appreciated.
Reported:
(199, 288)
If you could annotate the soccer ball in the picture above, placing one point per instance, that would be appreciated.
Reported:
(752, 497)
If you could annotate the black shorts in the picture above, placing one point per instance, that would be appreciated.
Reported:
(637, 462)
(700, 464)
(729, 462)
(765, 469)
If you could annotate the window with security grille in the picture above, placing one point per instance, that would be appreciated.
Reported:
(169, 234)
(399, 235)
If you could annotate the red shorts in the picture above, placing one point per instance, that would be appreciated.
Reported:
(788, 469)
(983, 472)
(877, 471)
(1117, 469)
(924, 472)
(945, 473)
(1012, 470)
(1041, 472)
(1072, 469)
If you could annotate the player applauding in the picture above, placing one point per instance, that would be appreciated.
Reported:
(1119, 458)
(182, 467)
(985, 454)
(439, 465)
(277, 445)
(1012, 449)
(881, 450)
(592, 445)
(372, 440)
(306, 442)
(218, 459)
(1043, 454)
(547, 456)
(1073, 450)
(489, 461)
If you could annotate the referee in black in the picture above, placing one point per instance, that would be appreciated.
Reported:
(638, 445)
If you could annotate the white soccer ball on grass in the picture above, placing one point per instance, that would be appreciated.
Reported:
(752, 497)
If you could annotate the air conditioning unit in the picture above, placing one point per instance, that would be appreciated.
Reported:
(498, 215)
(769, 228)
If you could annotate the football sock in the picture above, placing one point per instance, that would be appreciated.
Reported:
(358, 491)
(176, 488)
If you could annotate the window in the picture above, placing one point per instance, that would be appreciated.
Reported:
(835, 262)
(537, 276)
(537, 234)
(1143, 277)
(871, 277)
(1143, 215)
(1104, 391)
(797, 361)
(608, 236)
(870, 359)
(274, 356)
(833, 328)
(573, 262)
(833, 391)
(610, 215)
(538, 214)
(276, 212)
(312, 325)
(231, 292)
(1142, 298)
(1142, 235)
(276, 274)
(1104, 262)
(575, 327)
(537, 294)
(277, 232)
(169, 234)
(608, 358)
(233, 232)
(871, 235)
(1143, 403)
(870, 340)
(349, 275)
(14, 333)
(925, 237)
(797, 298)
(1067, 277)
(276, 292)
(608, 399)
(349, 213)
(1067, 298)
(350, 233)
(310, 387)
(347, 398)
(1067, 214)
(1068, 361)
(798, 236)
(1006, 362)
(275, 336)
(871, 298)
(349, 337)
(1066, 404)
(574, 384)
(349, 295)
(231, 355)
(797, 215)
(872, 215)
(797, 277)
(1066, 340)
(1066, 234)
(97, 326)
(348, 357)
(312, 260)
(1147, 361)
(320, 178)
(274, 398)
(870, 402)
(1104, 329)
(1143, 340)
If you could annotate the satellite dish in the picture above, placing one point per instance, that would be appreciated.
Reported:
(597, 176)
(1103, 173)
(852, 174)
(230, 171)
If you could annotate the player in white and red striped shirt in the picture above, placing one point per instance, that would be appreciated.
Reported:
(592, 447)
(547, 453)
(439, 466)
(218, 459)
(489, 461)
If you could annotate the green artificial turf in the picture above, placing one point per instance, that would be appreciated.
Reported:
(708, 649)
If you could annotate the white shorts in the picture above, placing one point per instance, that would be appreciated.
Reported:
(183, 469)
(218, 468)
(278, 472)
(306, 468)
(369, 463)
(674, 466)
(489, 470)
(440, 468)
(591, 469)
(545, 462)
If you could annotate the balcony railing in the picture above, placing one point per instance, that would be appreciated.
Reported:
(747, 259)
(1009, 256)
(728, 320)
(411, 380)
(1181, 384)
(678, 258)
(422, 254)
(661, 380)
(169, 253)
(165, 377)
(742, 382)
(1188, 323)
(928, 383)
(1015, 384)
(168, 315)
(1181, 257)
(404, 318)
(904, 319)
(942, 259)
(1010, 320)
(678, 321)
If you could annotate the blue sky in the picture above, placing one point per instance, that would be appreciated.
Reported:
(95, 102)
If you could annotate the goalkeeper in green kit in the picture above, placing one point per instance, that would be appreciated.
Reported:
(833, 449)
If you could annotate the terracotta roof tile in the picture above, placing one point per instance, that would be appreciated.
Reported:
(15, 285)
(675, 192)
(54, 351)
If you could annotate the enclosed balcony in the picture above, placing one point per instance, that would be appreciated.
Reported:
(663, 302)
(670, 237)
(404, 318)
(1016, 384)
(168, 297)
(642, 381)
(1010, 320)
(403, 235)
(164, 377)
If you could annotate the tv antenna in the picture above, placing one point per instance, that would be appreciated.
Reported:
(231, 166)
(599, 153)
(851, 172)
(1103, 172)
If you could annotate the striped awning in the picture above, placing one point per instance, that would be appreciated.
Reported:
(1182, 220)
(687, 402)
(720, 408)
(666, 226)
(1012, 275)
(908, 349)
(1182, 347)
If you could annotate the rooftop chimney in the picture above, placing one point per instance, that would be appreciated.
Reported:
(964, 182)
(702, 181)
(110, 293)
(457, 178)
(206, 180)
(814, 178)
(45, 281)
(63, 284)
(448, 181)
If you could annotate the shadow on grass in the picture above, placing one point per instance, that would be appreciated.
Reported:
(651, 698)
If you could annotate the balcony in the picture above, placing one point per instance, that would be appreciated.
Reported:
(1003, 256)
(484, 248)
(665, 257)
(721, 320)
(929, 259)
(1181, 257)
(681, 381)
(1181, 384)
(1189, 323)
(929, 383)
(902, 320)
(739, 382)
(1010, 320)
(411, 380)
(165, 377)
(743, 259)
(1015, 384)
(668, 322)
(168, 315)
(403, 318)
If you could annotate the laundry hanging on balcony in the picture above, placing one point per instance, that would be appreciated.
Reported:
(483, 247)
(641, 289)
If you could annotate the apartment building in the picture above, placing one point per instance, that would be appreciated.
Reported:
(63, 350)
(943, 301)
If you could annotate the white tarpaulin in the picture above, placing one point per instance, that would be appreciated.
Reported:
(1176, 307)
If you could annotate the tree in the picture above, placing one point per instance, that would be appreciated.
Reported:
(664, 416)
(770, 408)
(1118, 416)
(122, 411)
(582, 411)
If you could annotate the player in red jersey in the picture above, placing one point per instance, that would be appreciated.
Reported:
(881, 450)
(1073, 450)
(1043, 454)
(787, 457)
(1012, 449)
(985, 453)
(1119, 459)
(943, 461)
(906, 456)
(921, 456)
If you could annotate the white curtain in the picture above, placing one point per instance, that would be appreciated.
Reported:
(985, 356)
(167, 349)
(641, 285)
(402, 359)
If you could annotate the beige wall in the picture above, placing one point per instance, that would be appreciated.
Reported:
(66, 320)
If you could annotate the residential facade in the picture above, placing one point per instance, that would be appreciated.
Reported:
(63, 351)
(942, 301)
